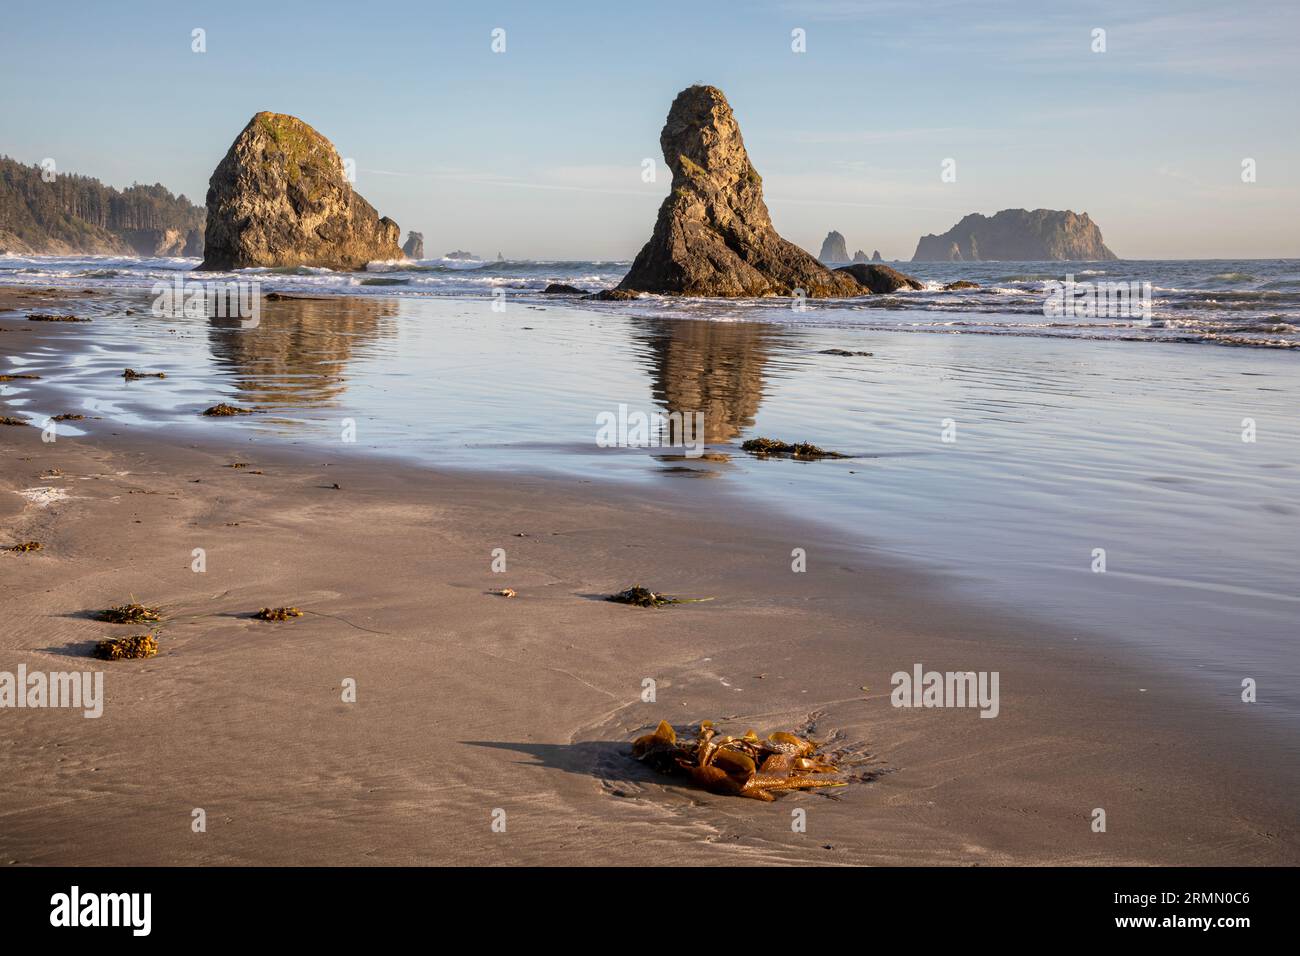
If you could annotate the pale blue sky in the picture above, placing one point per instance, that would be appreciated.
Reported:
(537, 151)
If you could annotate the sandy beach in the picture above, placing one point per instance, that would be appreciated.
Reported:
(467, 703)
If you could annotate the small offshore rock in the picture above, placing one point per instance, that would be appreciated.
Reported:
(881, 279)
(413, 248)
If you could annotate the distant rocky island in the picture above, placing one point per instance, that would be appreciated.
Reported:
(835, 251)
(280, 198)
(834, 248)
(1019, 235)
(79, 215)
(413, 248)
(713, 236)
(460, 254)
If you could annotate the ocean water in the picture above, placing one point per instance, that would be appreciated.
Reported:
(1249, 302)
(1179, 460)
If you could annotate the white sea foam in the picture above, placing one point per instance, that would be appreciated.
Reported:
(1261, 296)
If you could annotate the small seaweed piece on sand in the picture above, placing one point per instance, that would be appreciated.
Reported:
(6, 420)
(50, 317)
(277, 613)
(644, 597)
(24, 547)
(222, 410)
(131, 374)
(133, 613)
(67, 417)
(738, 766)
(238, 464)
(504, 592)
(14, 378)
(766, 447)
(126, 648)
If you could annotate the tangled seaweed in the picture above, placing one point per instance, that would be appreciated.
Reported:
(133, 613)
(767, 447)
(68, 417)
(126, 648)
(47, 317)
(24, 547)
(644, 597)
(277, 613)
(738, 766)
(131, 374)
(15, 378)
(222, 410)
(7, 420)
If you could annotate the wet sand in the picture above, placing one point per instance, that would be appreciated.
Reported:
(468, 703)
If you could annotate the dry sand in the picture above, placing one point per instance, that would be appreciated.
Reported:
(468, 703)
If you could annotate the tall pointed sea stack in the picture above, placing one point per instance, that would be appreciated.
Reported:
(834, 249)
(714, 236)
(280, 198)
(413, 248)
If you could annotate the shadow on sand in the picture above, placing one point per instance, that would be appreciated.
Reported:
(609, 761)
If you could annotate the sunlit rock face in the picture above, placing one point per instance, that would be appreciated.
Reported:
(714, 236)
(280, 197)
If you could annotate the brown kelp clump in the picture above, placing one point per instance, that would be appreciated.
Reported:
(131, 374)
(738, 766)
(7, 420)
(47, 317)
(644, 597)
(132, 613)
(222, 410)
(767, 447)
(23, 547)
(277, 613)
(126, 648)
(15, 378)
